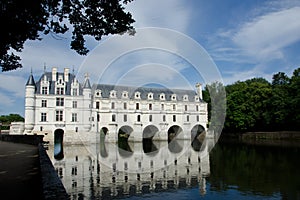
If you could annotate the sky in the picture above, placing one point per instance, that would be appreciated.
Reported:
(177, 44)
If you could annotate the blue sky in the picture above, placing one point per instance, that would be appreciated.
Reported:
(244, 39)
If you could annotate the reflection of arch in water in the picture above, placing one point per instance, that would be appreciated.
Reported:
(123, 135)
(58, 144)
(103, 132)
(148, 146)
(173, 132)
(103, 151)
(197, 137)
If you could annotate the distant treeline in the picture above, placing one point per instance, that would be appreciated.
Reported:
(258, 105)
(7, 119)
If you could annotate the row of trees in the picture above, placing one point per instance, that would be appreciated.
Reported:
(258, 105)
(7, 119)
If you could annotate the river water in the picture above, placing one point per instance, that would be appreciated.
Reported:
(179, 170)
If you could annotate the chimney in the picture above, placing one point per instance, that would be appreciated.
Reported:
(66, 74)
(199, 90)
(54, 72)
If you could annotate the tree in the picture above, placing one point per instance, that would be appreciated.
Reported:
(7, 119)
(215, 95)
(27, 20)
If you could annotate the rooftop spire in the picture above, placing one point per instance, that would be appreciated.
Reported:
(30, 79)
(87, 81)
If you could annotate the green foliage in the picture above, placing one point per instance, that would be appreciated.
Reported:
(7, 119)
(257, 105)
(26, 20)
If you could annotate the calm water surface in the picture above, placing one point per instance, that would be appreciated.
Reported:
(231, 170)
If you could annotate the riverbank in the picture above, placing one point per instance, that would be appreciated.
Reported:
(264, 135)
(26, 172)
(276, 138)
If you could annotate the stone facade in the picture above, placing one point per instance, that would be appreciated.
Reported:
(59, 102)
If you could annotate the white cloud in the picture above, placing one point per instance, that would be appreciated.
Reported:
(6, 101)
(12, 84)
(173, 14)
(266, 36)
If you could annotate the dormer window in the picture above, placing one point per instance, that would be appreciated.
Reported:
(60, 90)
(173, 97)
(196, 98)
(150, 96)
(124, 94)
(137, 95)
(98, 93)
(44, 90)
(113, 94)
(162, 96)
(185, 98)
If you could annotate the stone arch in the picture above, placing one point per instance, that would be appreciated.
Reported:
(123, 135)
(149, 146)
(149, 132)
(58, 144)
(173, 132)
(174, 145)
(125, 131)
(198, 134)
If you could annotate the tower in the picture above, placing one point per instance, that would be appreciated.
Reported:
(30, 104)
(87, 103)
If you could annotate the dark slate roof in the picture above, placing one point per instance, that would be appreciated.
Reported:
(87, 84)
(52, 83)
(30, 80)
(144, 91)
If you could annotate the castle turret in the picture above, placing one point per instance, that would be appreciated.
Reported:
(30, 104)
(87, 103)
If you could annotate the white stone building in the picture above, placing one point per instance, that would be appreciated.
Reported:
(57, 105)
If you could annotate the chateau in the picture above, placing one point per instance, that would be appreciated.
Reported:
(58, 105)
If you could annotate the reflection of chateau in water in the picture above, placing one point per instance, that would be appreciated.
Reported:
(107, 171)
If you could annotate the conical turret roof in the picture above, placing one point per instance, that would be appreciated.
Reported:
(30, 80)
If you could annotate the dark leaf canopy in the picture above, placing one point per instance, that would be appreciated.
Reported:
(27, 20)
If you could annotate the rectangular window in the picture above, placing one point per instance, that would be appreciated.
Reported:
(59, 116)
(197, 108)
(164, 118)
(112, 105)
(150, 118)
(125, 118)
(59, 101)
(185, 107)
(139, 118)
(125, 106)
(197, 118)
(74, 104)
(162, 106)
(74, 117)
(150, 106)
(187, 118)
(97, 105)
(137, 106)
(75, 92)
(44, 90)
(113, 118)
(43, 117)
(174, 118)
(174, 107)
(44, 103)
